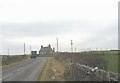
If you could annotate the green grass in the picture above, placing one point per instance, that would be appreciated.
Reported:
(112, 63)
(112, 60)
(13, 59)
(111, 57)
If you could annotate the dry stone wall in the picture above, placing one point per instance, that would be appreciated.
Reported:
(78, 72)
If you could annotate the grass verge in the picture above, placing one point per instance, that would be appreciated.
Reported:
(52, 71)
(14, 62)
(40, 76)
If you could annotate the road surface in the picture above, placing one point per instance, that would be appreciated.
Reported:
(24, 71)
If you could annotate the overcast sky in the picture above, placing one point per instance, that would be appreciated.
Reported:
(89, 23)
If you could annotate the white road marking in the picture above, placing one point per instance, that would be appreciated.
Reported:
(21, 69)
(6, 76)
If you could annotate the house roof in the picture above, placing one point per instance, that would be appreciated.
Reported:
(46, 49)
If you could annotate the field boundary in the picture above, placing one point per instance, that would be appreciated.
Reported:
(6, 66)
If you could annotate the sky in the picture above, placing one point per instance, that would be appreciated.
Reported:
(91, 24)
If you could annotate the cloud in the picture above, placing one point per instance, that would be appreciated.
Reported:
(84, 34)
(88, 23)
(25, 11)
(35, 29)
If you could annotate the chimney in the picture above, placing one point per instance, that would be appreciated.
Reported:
(53, 49)
(49, 45)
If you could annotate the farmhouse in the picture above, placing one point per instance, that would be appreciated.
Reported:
(46, 50)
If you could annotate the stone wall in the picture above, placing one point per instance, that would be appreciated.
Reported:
(78, 72)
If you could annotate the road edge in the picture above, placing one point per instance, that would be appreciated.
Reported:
(39, 74)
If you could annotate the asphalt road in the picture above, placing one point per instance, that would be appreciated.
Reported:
(25, 71)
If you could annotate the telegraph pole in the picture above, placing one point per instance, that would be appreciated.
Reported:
(57, 44)
(24, 48)
(96, 49)
(30, 48)
(8, 52)
(71, 46)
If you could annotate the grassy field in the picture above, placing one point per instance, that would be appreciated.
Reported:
(107, 60)
(8, 60)
(112, 60)
(111, 57)
(112, 63)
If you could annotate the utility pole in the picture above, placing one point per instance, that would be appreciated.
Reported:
(71, 46)
(30, 49)
(8, 52)
(57, 44)
(96, 49)
(24, 48)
